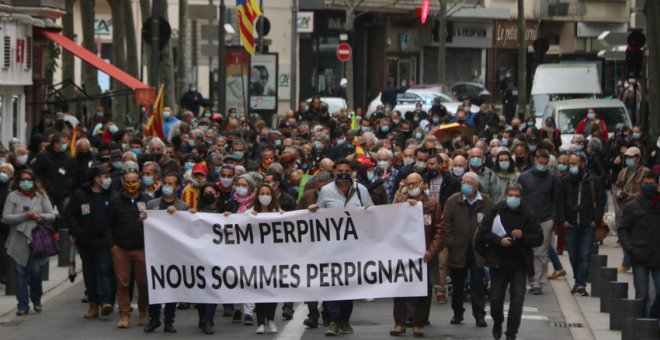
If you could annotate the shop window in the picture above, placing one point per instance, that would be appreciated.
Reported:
(6, 61)
(580, 44)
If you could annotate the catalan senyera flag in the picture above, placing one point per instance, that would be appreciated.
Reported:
(154, 126)
(72, 147)
(248, 11)
(359, 152)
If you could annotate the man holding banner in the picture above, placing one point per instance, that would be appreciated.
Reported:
(343, 193)
(433, 234)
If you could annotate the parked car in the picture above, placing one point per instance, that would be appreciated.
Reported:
(406, 101)
(335, 104)
(568, 113)
(442, 88)
(476, 92)
(555, 82)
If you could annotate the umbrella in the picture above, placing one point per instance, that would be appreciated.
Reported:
(445, 133)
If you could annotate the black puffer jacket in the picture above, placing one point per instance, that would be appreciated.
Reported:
(488, 244)
(125, 229)
(639, 231)
(589, 208)
(57, 172)
(81, 223)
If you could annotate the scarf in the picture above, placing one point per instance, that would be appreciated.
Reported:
(244, 203)
(29, 194)
(154, 187)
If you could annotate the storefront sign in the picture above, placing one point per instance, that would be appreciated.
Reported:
(471, 35)
(594, 29)
(103, 25)
(305, 22)
(506, 33)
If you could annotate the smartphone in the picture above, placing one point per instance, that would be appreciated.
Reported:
(26, 208)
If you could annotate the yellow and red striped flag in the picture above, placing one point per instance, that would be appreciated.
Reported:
(154, 126)
(248, 11)
(359, 152)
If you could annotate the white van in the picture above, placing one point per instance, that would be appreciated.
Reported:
(568, 113)
(553, 82)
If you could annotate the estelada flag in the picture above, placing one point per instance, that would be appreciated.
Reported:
(248, 11)
(154, 126)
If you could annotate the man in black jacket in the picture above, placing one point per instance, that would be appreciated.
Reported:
(86, 218)
(506, 239)
(126, 210)
(55, 168)
(639, 234)
(582, 205)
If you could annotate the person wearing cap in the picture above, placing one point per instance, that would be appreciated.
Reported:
(126, 210)
(627, 186)
(190, 192)
(169, 202)
(85, 216)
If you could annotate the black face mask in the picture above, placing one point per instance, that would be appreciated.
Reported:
(432, 173)
(343, 177)
(208, 198)
(520, 160)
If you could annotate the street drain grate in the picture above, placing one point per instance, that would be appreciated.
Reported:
(10, 323)
(564, 324)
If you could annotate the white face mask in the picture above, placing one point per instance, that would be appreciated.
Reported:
(105, 184)
(408, 161)
(22, 160)
(383, 165)
(458, 171)
(265, 200)
(414, 192)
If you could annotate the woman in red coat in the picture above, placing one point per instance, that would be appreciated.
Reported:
(586, 125)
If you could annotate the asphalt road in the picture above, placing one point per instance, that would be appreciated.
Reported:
(62, 318)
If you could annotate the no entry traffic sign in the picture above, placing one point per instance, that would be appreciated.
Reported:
(344, 51)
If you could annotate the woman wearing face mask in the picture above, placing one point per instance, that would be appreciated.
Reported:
(551, 131)
(6, 174)
(26, 207)
(265, 202)
(506, 171)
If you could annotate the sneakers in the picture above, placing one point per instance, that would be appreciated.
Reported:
(107, 309)
(557, 274)
(123, 321)
(581, 291)
(271, 326)
(536, 291)
(38, 307)
(261, 329)
(346, 328)
(332, 330)
(21, 312)
(623, 269)
(247, 320)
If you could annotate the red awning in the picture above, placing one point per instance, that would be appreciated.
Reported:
(93, 59)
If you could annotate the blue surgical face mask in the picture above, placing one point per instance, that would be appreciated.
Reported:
(167, 114)
(168, 191)
(541, 167)
(148, 180)
(3, 177)
(118, 165)
(99, 114)
(385, 128)
(217, 170)
(63, 147)
(418, 135)
(137, 152)
(238, 154)
(476, 162)
(591, 115)
(370, 176)
(113, 128)
(207, 115)
(575, 170)
(649, 190)
(189, 165)
(505, 142)
(579, 147)
(25, 185)
(341, 141)
(513, 202)
(562, 167)
(504, 165)
(532, 148)
(636, 135)
(278, 142)
(630, 162)
(48, 122)
(467, 189)
(436, 120)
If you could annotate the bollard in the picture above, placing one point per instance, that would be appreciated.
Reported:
(647, 329)
(600, 279)
(45, 271)
(596, 262)
(630, 310)
(616, 292)
(10, 277)
(63, 256)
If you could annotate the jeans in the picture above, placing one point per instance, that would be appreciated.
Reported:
(477, 289)
(516, 280)
(541, 257)
(579, 240)
(641, 276)
(554, 258)
(170, 308)
(206, 312)
(28, 276)
(626, 259)
(421, 306)
(97, 272)
(339, 311)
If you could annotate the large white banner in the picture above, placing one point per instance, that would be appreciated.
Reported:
(332, 254)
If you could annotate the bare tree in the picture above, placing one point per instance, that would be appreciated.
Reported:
(182, 49)
(68, 67)
(131, 55)
(522, 58)
(167, 66)
(89, 72)
(652, 11)
(118, 58)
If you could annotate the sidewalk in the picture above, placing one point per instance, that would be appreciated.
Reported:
(589, 307)
(58, 281)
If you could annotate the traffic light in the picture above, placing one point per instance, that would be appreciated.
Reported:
(635, 54)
